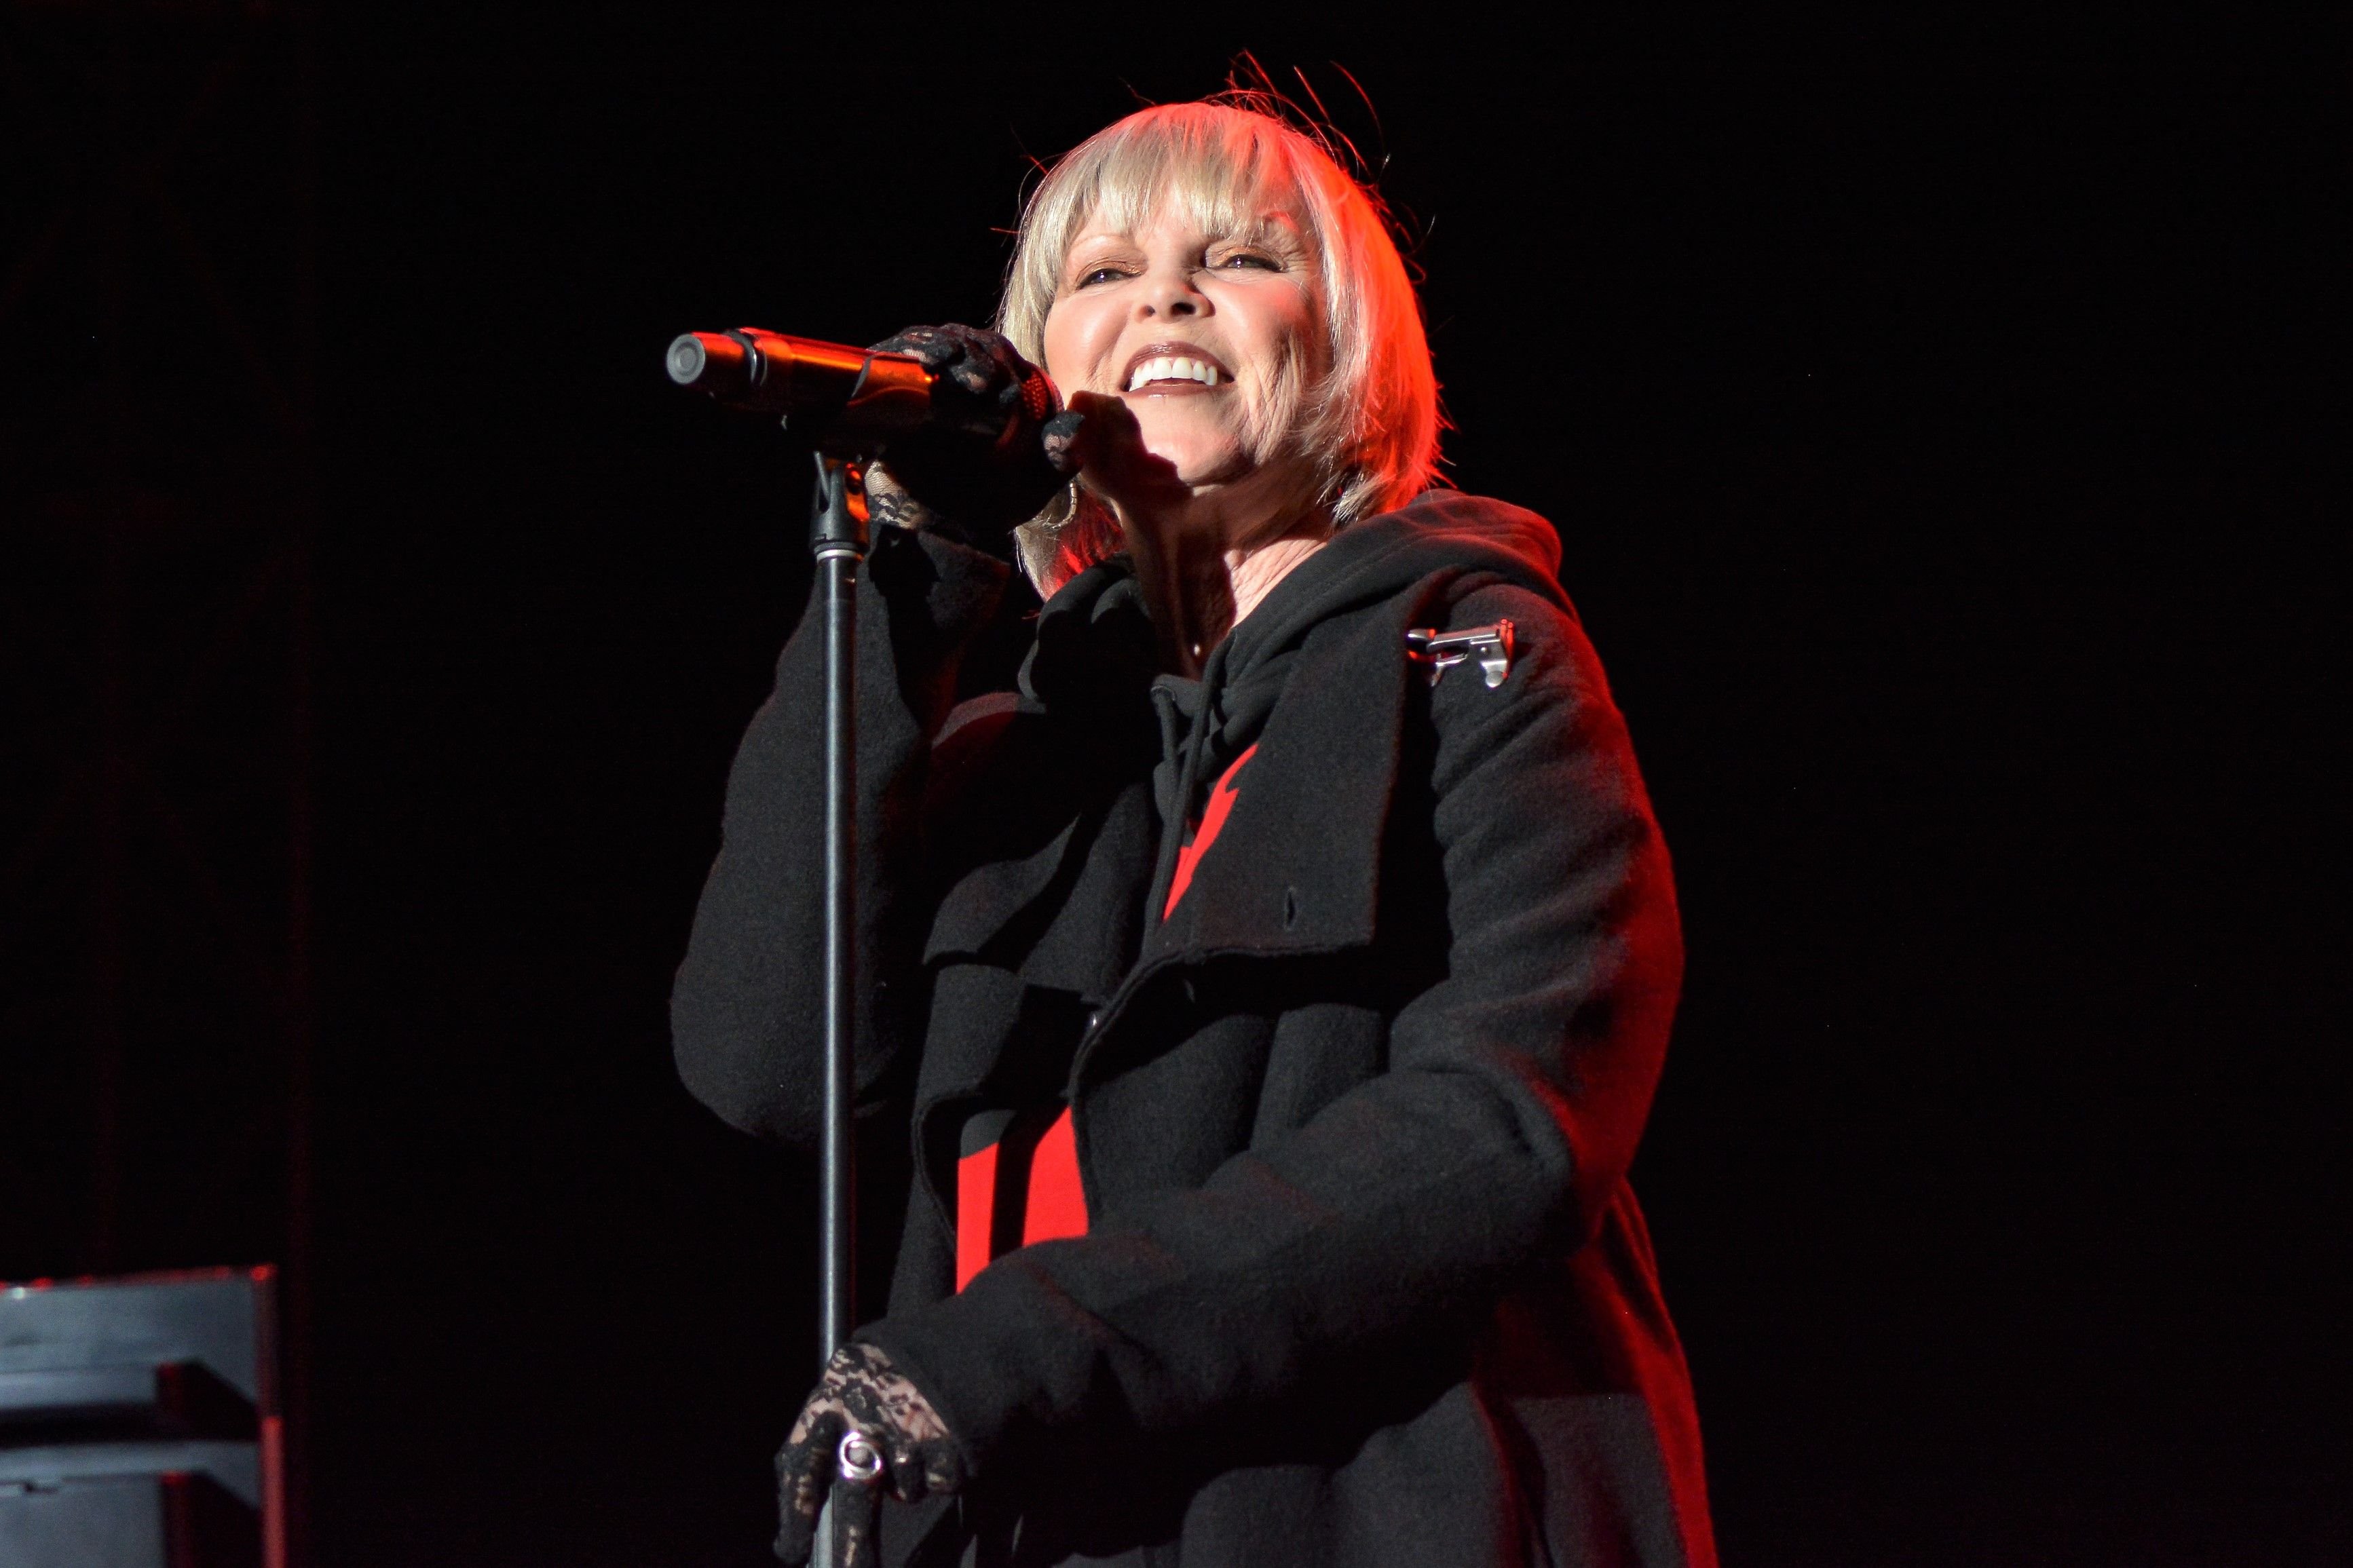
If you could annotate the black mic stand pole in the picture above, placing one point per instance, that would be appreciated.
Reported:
(838, 538)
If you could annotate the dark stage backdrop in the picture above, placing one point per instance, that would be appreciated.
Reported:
(1929, 417)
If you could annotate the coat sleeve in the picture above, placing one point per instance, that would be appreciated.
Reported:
(1395, 1218)
(745, 1006)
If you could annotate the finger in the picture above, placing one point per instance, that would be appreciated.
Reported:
(977, 366)
(804, 1470)
(797, 1529)
(1008, 369)
(908, 1481)
(1064, 438)
(857, 1516)
(977, 375)
(929, 345)
(796, 1539)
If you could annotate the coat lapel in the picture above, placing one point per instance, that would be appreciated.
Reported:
(1053, 827)
(1296, 866)
(1060, 909)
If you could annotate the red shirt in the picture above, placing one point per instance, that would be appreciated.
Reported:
(1046, 1206)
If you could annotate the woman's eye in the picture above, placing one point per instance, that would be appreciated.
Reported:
(1251, 258)
(1100, 274)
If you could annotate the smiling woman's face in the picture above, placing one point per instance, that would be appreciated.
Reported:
(1209, 340)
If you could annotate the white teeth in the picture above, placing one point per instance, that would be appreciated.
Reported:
(1170, 368)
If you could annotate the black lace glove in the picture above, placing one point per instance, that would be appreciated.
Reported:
(1000, 450)
(860, 1392)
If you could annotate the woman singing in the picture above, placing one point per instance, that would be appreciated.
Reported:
(1267, 948)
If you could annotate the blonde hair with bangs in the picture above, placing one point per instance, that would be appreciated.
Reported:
(1368, 427)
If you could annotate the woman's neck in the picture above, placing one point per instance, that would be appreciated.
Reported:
(1200, 578)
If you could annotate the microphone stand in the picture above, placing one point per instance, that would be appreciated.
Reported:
(838, 538)
(862, 397)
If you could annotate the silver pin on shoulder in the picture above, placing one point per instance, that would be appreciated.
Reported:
(1442, 651)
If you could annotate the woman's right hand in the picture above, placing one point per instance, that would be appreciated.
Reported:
(1001, 451)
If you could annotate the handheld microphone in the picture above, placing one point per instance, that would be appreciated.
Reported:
(855, 401)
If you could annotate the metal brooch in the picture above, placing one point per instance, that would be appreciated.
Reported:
(1491, 646)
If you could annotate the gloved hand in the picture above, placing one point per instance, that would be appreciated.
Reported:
(861, 1392)
(1001, 451)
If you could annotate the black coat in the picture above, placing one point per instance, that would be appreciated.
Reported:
(1364, 1282)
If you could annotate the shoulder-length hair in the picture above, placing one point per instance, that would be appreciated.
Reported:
(1369, 428)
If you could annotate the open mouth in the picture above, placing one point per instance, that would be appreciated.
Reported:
(1173, 367)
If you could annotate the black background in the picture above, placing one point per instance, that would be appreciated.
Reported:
(1932, 415)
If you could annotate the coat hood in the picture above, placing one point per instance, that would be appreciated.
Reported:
(1093, 643)
(1371, 560)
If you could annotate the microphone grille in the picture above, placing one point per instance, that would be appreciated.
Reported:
(1039, 399)
(687, 358)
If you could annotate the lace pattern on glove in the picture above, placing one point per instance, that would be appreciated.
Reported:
(861, 1391)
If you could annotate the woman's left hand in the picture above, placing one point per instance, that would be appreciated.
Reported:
(860, 1392)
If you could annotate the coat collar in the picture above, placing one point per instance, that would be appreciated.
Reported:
(1296, 867)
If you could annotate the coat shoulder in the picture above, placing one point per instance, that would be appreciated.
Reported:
(1551, 658)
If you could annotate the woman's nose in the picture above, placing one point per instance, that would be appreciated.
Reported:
(1170, 292)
